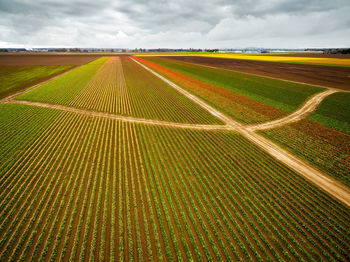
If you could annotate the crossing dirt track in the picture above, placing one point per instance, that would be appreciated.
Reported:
(113, 161)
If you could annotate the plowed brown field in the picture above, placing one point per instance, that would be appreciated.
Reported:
(328, 76)
(28, 59)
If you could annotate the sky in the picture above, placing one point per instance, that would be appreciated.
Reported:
(175, 24)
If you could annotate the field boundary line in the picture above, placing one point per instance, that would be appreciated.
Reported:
(329, 185)
(305, 109)
(9, 98)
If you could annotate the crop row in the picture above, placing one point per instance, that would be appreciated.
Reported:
(324, 147)
(90, 188)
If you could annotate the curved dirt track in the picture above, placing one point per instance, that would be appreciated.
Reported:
(334, 188)
(308, 107)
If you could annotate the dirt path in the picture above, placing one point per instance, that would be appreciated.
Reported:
(120, 117)
(309, 106)
(328, 184)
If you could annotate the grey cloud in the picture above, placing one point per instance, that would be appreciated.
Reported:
(269, 7)
(177, 23)
(39, 7)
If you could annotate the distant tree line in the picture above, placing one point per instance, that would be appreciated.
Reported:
(331, 50)
(338, 51)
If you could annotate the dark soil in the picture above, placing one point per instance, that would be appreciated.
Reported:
(329, 76)
(40, 59)
(317, 55)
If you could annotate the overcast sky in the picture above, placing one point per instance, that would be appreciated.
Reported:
(175, 23)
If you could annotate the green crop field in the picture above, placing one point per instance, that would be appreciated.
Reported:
(110, 162)
(16, 78)
(334, 112)
(145, 193)
(65, 88)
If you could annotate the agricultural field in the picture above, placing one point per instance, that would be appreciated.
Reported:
(326, 148)
(16, 78)
(334, 112)
(323, 138)
(46, 59)
(133, 159)
(119, 86)
(160, 194)
(246, 98)
(18, 72)
(304, 59)
(326, 76)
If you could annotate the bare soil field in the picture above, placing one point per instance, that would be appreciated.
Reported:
(328, 76)
(40, 59)
(317, 55)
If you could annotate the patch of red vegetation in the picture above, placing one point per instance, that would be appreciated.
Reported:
(223, 95)
(324, 147)
(329, 135)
